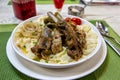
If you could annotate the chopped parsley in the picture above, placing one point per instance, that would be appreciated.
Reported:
(57, 61)
(34, 42)
(24, 46)
(46, 61)
(33, 33)
(36, 59)
(41, 24)
(51, 56)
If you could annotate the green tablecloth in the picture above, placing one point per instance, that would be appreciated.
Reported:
(109, 70)
(51, 2)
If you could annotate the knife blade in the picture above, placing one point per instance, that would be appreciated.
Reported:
(112, 46)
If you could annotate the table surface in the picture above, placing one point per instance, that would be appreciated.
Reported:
(111, 14)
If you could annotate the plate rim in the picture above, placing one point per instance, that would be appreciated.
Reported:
(15, 65)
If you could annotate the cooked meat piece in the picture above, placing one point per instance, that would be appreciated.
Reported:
(36, 51)
(47, 20)
(71, 33)
(51, 25)
(70, 43)
(61, 25)
(44, 42)
(75, 54)
(81, 38)
(56, 42)
(75, 48)
(45, 54)
(66, 37)
(46, 32)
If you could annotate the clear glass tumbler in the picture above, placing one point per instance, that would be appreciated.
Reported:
(24, 9)
(58, 4)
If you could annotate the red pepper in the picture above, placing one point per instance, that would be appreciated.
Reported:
(77, 21)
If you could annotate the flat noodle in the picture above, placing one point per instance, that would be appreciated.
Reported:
(31, 29)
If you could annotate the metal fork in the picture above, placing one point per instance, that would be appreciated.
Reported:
(105, 32)
(108, 42)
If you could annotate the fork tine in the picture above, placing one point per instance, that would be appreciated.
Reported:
(98, 25)
(103, 26)
(104, 31)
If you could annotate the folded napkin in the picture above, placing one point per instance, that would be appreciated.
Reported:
(109, 70)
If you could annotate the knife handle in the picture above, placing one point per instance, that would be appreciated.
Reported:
(113, 46)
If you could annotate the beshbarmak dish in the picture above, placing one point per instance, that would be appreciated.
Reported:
(55, 43)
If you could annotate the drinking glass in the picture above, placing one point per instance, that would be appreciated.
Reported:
(24, 9)
(58, 4)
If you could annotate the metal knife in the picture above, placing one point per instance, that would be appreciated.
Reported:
(112, 46)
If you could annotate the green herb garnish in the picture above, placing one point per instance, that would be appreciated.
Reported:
(34, 42)
(36, 59)
(41, 24)
(57, 61)
(33, 33)
(24, 46)
(46, 61)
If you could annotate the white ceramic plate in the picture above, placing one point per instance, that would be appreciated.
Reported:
(38, 72)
